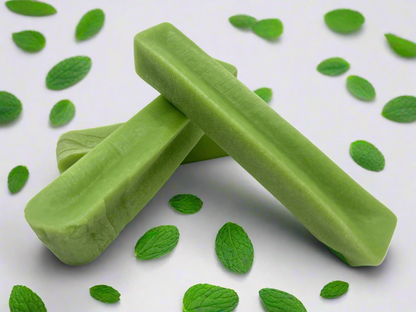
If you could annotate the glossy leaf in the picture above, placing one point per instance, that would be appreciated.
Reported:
(90, 24)
(361, 88)
(242, 21)
(344, 20)
(62, 113)
(334, 66)
(68, 72)
(30, 8)
(268, 28)
(29, 40)
(401, 109)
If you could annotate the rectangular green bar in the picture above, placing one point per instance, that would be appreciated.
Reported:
(331, 205)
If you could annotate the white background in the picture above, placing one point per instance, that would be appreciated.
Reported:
(287, 257)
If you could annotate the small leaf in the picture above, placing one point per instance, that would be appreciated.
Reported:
(30, 8)
(104, 293)
(279, 301)
(334, 66)
(90, 24)
(10, 107)
(265, 94)
(344, 20)
(17, 178)
(157, 242)
(186, 203)
(22, 299)
(402, 46)
(361, 88)
(242, 21)
(268, 28)
(401, 109)
(62, 113)
(367, 155)
(334, 289)
(234, 248)
(68, 72)
(29, 40)
(209, 298)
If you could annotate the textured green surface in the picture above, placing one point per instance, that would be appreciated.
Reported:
(361, 88)
(265, 94)
(29, 40)
(333, 66)
(334, 289)
(68, 72)
(242, 21)
(17, 178)
(401, 109)
(30, 8)
(10, 107)
(344, 20)
(186, 203)
(80, 213)
(157, 242)
(402, 46)
(269, 29)
(279, 301)
(337, 210)
(90, 24)
(234, 248)
(209, 298)
(62, 113)
(23, 299)
(104, 293)
(367, 155)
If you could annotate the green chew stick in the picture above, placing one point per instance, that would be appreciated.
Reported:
(331, 205)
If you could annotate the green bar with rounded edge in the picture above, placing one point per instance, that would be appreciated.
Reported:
(330, 204)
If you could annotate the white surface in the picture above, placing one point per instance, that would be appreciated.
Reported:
(287, 257)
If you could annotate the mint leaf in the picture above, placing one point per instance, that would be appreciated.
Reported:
(209, 298)
(62, 113)
(344, 20)
(279, 301)
(265, 94)
(234, 248)
(157, 242)
(10, 107)
(268, 28)
(90, 24)
(104, 293)
(402, 46)
(29, 40)
(30, 8)
(367, 155)
(68, 72)
(339, 255)
(401, 109)
(22, 299)
(186, 203)
(361, 88)
(242, 21)
(17, 178)
(334, 289)
(334, 66)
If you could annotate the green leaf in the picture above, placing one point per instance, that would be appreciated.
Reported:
(268, 28)
(29, 40)
(186, 203)
(209, 298)
(339, 255)
(90, 24)
(402, 46)
(22, 299)
(30, 8)
(367, 155)
(234, 248)
(62, 113)
(279, 301)
(334, 289)
(17, 178)
(104, 293)
(10, 107)
(361, 88)
(401, 109)
(334, 66)
(68, 72)
(157, 242)
(344, 20)
(242, 21)
(265, 94)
